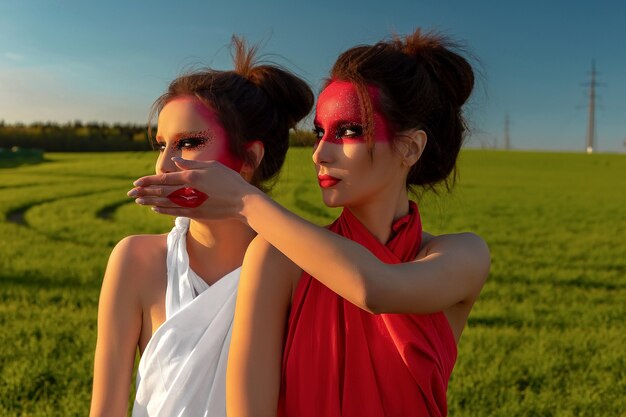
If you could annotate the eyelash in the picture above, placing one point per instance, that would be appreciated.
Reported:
(185, 143)
(357, 131)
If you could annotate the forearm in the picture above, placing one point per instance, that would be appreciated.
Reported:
(344, 266)
(450, 271)
(111, 386)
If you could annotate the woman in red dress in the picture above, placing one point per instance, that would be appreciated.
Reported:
(362, 318)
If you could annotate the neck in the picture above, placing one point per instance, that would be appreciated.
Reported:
(378, 216)
(217, 247)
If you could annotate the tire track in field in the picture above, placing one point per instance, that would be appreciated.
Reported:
(106, 212)
(17, 215)
(24, 185)
(49, 178)
(82, 175)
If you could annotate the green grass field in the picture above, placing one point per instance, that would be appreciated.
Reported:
(546, 338)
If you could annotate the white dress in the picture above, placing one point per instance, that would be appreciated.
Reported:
(182, 371)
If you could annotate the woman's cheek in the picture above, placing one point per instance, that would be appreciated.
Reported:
(228, 159)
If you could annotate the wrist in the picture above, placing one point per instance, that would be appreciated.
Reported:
(249, 201)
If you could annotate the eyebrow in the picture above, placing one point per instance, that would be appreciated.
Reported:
(341, 122)
(206, 133)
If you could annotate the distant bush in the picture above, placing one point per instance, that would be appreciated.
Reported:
(301, 138)
(95, 137)
(75, 137)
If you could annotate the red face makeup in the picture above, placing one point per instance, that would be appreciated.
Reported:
(338, 117)
(187, 197)
(189, 128)
(349, 172)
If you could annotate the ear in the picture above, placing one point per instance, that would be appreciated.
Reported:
(255, 151)
(410, 145)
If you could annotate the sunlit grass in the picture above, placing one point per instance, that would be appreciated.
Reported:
(546, 337)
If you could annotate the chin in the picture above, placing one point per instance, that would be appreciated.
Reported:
(330, 200)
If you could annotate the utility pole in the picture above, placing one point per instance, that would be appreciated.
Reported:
(591, 126)
(507, 138)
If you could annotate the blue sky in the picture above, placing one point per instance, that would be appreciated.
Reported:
(62, 60)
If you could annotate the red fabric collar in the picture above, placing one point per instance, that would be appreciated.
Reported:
(403, 245)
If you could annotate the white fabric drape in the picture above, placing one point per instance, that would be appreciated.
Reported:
(182, 371)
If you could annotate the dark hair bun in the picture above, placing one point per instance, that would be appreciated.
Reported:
(290, 95)
(437, 53)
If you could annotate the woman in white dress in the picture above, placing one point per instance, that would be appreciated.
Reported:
(172, 296)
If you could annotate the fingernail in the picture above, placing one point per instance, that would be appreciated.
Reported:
(138, 183)
(177, 159)
(155, 209)
(132, 193)
(140, 201)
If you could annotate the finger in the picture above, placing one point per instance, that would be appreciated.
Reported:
(170, 178)
(173, 211)
(155, 201)
(191, 164)
(154, 191)
(176, 199)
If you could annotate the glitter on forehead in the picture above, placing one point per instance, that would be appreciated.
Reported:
(339, 105)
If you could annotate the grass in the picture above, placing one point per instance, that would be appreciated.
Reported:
(546, 337)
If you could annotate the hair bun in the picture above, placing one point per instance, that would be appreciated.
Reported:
(439, 54)
(291, 96)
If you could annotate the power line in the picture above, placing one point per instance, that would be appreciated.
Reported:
(507, 137)
(591, 125)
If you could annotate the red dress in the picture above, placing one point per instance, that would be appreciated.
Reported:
(340, 360)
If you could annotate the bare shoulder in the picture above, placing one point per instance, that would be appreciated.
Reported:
(142, 247)
(269, 261)
(138, 258)
(466, 242)
(465, 254)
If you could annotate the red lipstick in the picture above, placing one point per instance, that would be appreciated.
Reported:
(327, 181)
(187, 197)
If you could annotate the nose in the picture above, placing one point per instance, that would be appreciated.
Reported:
(164, 162)
(322, 152)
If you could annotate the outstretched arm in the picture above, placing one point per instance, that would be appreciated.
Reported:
(254, 360)
(119, 324)
(451, 270)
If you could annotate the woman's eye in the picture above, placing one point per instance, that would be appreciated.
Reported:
(319, 133)
(350, 132)
(190, 143)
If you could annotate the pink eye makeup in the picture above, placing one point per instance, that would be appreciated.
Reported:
(204, 134)
(344, 133)
(192, 129)
(189, 140)
(338, 117)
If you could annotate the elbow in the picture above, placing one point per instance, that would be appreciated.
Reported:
(374, 303)
(371, 299)
(362, 285)
(372, 307)
(377, 287)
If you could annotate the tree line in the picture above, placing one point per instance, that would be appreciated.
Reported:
(93, 137)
